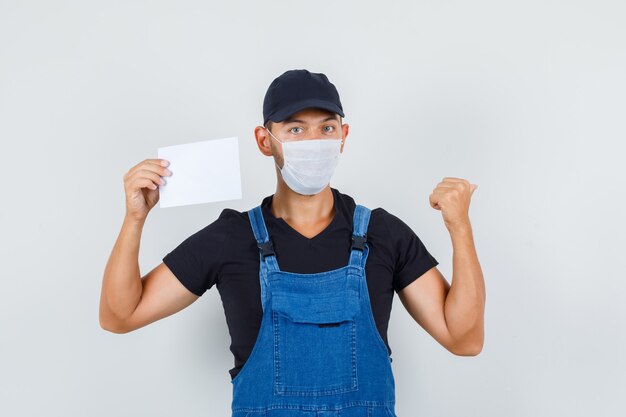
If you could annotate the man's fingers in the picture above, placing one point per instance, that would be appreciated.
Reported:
(146, 174)
(154, 164)
(142, 182)
(454, 179)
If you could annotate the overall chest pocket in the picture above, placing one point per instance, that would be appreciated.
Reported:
(315, 343)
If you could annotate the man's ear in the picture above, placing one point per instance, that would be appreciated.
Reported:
(263, 140)
(345, 129)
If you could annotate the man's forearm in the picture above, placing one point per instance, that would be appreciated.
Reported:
(121, 284)
(465, 302)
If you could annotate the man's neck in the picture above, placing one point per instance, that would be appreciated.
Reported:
(302, 209)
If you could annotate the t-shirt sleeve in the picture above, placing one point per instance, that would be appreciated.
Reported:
(196, 261)
(412, 259)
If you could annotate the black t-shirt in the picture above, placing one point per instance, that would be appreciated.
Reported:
(225, 253)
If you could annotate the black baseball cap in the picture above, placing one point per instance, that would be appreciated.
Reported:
(298, 89)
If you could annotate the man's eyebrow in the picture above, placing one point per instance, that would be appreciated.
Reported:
(292, 120)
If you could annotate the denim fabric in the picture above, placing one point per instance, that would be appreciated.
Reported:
(318, 352)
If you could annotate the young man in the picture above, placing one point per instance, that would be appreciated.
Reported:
(307, 277)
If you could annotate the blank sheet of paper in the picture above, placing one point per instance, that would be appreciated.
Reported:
(202, 172)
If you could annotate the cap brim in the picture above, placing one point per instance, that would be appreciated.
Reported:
(282, 114)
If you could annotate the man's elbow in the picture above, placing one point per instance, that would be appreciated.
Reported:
(467, 349)
(112, 326)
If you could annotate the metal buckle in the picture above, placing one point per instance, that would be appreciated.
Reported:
(358, 242)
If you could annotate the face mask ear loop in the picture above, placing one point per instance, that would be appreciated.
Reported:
(268, 131)
(275, 163)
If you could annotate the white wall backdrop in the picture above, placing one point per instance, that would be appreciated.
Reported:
(525, 99)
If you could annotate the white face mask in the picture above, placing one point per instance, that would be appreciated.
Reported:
(309, 163)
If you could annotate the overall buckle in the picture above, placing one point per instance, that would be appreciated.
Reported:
(267, 248)
(358, 242)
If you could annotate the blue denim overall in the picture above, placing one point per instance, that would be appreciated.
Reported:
(318, 352)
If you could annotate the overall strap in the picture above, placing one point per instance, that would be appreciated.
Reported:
(266, 249)
(359, 248)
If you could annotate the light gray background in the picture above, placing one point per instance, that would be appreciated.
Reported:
(525, 99)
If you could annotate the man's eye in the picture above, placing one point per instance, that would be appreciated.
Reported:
(294, 128)
(330, 128)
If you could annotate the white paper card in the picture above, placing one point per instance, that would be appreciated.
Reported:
(202, 172)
